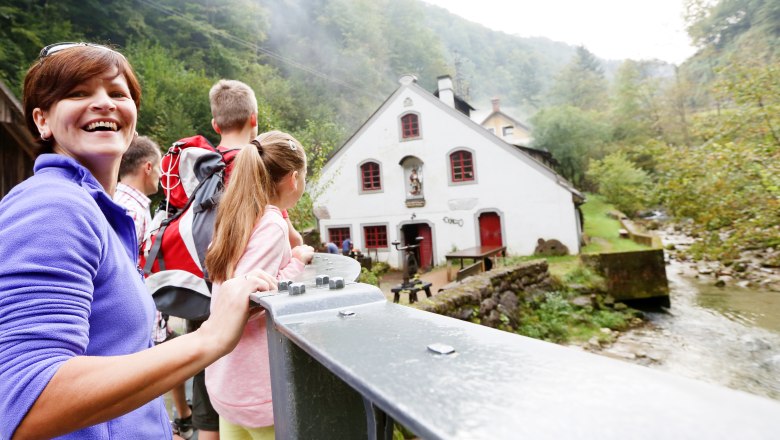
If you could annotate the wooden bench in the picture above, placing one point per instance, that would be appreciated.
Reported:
(471, 269)
(412, 291)
(478, 253)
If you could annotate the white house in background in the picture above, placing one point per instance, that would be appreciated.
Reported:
(514, 132)
(419, 166)
(506, 127)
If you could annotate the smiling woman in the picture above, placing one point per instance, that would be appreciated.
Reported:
(93, 111)
(75, 317)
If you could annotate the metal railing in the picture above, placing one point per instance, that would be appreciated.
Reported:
(345, 363)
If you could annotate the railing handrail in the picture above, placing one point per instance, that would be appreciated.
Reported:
(342, 359)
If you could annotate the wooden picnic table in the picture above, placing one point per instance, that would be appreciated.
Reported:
(478, 253)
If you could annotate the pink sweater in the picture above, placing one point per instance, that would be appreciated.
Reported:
(239, 384)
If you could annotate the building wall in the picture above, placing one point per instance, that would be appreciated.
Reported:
(530, 203)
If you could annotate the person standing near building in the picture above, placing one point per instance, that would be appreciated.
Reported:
(234, 119)
(139, 177)
(250, 233)
(330, 247)
(346, 246)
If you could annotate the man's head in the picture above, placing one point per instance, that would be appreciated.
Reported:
(140, 166)
(233, 107)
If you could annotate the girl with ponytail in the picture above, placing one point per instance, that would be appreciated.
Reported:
(250, 233)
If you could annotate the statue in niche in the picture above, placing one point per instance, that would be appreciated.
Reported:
(415, 184)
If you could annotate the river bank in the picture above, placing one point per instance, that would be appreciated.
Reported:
(759, 268)
(723, 326)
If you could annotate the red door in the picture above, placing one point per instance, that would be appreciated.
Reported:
(490, 229)
(426, 247)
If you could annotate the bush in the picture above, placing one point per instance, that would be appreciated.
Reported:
(368, 277)
(621, 182)
(372, 276)
(610, 319)
(550, 321)
(380, 268)
(584, 276)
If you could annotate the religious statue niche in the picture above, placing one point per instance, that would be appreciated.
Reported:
(413, 181)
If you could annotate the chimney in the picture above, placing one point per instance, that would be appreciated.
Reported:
(496, 104)
(446, 94)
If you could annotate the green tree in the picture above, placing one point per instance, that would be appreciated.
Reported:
(635, 110)
(730, 183)
(175, 100)
(621, 182)
(573, 136)
(320, 139)
(581, 83)
(733, 25)
(25, 28)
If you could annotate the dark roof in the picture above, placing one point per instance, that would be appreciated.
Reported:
(537, 152)
(460, 104)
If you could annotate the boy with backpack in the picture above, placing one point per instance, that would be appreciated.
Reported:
(234, 112)
(194, 175)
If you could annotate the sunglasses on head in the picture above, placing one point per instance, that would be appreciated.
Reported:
(57, 47)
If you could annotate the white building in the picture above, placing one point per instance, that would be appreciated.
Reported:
(419, 166)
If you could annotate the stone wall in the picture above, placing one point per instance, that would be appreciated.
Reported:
(635, 275)
(637, 233)
(489, 295)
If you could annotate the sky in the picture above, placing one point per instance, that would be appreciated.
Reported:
(611, 29)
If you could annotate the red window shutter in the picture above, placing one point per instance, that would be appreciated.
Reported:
(338, 235)
(370, 176)
(376, 236)
(410, 126)
(461, 166)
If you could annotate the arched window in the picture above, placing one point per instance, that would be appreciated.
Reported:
(410, 126)
(461, 166)
(370, 176)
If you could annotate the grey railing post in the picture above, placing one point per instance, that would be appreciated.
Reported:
(309, 401)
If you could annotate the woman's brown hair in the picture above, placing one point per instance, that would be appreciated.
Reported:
(257, 171)
(52, 77)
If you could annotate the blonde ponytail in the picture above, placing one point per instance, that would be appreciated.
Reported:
(239, 209)
(257, 170)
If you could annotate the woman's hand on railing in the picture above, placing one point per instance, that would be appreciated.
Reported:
(230, 309)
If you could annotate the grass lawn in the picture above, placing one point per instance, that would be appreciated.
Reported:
(603, 232)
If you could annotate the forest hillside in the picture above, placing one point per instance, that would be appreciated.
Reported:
(700, 140)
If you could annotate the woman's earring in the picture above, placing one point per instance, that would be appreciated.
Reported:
(44, 136)
(135, 135)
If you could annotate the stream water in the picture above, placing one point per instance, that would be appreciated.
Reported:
(728, 336)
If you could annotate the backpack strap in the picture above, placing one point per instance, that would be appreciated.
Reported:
(155, 252)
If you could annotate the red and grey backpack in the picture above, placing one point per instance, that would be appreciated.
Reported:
(194, 174)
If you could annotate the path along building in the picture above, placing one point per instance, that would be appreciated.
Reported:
(419, 166)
